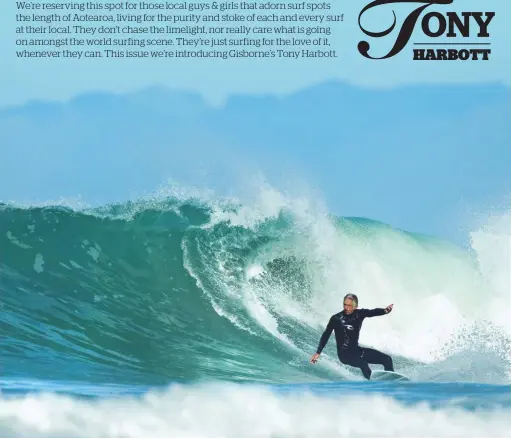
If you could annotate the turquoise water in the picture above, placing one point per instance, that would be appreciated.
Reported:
(182, 316)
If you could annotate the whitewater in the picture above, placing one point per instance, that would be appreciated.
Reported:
(196, 315)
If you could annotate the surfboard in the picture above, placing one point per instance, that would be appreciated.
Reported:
(383, 375)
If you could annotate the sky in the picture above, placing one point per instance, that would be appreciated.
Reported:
(419, 145)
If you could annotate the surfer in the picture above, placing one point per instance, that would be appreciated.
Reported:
(346, 325)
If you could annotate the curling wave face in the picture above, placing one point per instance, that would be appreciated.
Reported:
(181, 289)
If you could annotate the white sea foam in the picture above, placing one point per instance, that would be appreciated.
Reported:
(243, 411)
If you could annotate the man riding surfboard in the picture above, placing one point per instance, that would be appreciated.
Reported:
(346, 325)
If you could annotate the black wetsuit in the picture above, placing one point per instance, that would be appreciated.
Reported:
(347, 330)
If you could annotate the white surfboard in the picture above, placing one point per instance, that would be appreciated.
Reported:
(383, 375)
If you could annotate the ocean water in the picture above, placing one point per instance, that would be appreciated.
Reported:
(187, 315)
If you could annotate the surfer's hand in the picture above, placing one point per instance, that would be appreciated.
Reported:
(388, 309)
(315, 358)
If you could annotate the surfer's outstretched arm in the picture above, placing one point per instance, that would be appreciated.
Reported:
(326, 335)
(377, 311)
(324, 339)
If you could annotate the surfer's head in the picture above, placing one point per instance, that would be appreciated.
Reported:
(350, 303)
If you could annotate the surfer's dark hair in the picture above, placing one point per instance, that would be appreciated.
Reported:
(351, 297)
